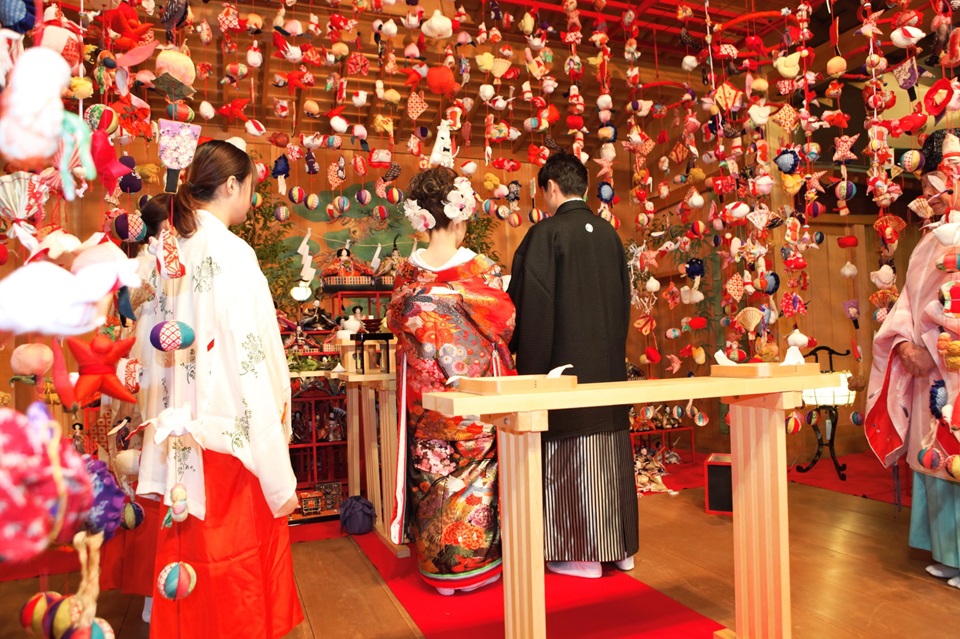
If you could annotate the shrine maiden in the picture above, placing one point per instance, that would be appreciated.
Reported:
(231, 392)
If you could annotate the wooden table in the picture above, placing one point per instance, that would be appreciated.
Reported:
(761, 547)
(363, 393)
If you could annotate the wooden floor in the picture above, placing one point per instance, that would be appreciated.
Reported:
(852, 575)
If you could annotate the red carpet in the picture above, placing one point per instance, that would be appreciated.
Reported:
(684, 476)
(613, 606)
(865, 478)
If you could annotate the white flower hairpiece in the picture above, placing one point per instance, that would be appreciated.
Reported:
(461, 202)
(420, 218)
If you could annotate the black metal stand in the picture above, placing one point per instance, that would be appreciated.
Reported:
(832, 417)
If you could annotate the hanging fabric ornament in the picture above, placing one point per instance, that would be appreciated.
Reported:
(178, 144)
(281, 171)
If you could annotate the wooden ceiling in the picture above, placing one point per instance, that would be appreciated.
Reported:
(658, 41)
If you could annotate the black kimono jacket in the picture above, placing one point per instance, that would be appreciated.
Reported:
(571, 288)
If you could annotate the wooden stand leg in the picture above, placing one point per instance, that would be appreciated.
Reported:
(387, 466)
(760, 538)
(353, 439)
(521, 516)
(368, 399)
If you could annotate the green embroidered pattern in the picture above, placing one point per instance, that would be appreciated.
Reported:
(254, 354)
(181, 454)
(190, 366)
(204, 274)
(240, 435)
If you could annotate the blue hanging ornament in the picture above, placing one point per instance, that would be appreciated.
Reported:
(281, 171)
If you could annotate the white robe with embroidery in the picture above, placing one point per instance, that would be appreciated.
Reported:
(234, 378)
(155, 381)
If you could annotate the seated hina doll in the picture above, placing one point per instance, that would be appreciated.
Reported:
(346, 270)
(314, 319)
(389, 266)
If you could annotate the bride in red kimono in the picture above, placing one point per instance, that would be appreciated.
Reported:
(452, 318)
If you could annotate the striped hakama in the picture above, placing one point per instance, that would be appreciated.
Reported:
(590, 498)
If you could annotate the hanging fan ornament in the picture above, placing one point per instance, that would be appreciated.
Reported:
(177, 146)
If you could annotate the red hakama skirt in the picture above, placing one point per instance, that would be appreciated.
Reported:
(241, 554)
(128, 559)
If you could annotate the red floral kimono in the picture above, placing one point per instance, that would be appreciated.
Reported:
(453, 322)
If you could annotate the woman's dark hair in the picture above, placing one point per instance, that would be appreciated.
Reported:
(155, 212)
(567, 171)
(214, 163)
(430, 189)
(343, 252)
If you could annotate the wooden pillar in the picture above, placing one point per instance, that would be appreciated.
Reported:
(368, 401)
(387, 394)
(521, 517)
(761, 548)
(353, 438)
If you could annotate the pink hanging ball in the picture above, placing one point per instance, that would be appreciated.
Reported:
(514, 219)
(379, 212)
(332, 211)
